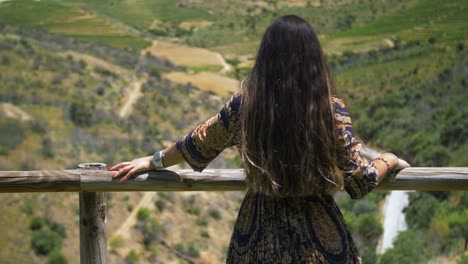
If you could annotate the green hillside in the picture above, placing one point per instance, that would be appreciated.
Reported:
(64, 18)
(69, 68)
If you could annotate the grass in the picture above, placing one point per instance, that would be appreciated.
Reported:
(11, 135)
(142, 13)
(14, 241)
(26, 13)
(58, 17)
(120, 41)
(207, 68)
(445, 19)
(236, 33)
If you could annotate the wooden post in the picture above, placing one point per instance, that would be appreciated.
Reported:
(93, 237)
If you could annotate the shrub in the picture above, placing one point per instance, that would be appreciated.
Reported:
(27, 207)
(117, 242)
(82, 64)
(369, 227)
(160, 204)
(152, 231)
(11, 135)
(463, 259)
(133, 257)
(364, 206)
(36, 223)
(202, 221)
(193, 250)
(56, 257)
(5, 60)
(205, 234)
(213, 212)
(179, 247)
(408, 247)
(44, 241)
(192, 209)
(143, 214)
(81, 114)
(423, 206)
(47, 146)
(59, 229)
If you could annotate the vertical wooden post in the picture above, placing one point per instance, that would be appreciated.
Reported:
(93, 237)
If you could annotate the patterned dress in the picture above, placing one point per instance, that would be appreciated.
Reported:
(307, 229)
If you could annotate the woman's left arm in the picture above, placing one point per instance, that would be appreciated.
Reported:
(198, 148)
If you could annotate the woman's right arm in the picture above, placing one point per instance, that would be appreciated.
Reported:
(364, 174)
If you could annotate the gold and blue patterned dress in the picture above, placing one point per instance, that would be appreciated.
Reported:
(303, 229)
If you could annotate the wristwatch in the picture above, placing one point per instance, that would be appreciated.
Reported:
(158, 160)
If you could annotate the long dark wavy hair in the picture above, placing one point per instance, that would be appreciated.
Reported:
(289, 138)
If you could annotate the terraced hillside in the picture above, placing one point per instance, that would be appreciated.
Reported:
(86, 81)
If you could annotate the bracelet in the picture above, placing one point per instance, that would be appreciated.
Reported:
(397, 159)
(384, 161)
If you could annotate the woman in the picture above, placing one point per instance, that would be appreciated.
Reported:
(298, 148)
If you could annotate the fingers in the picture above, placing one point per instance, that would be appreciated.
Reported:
(129, 174)
(119, 166)
(123, 170)
(403, 164)
(128, 171)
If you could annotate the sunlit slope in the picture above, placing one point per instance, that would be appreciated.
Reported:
(444, 19)
(63, 109)
(434, 20)
(410, 100)
(65, 18)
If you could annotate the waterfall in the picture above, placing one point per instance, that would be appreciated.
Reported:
(394, 219)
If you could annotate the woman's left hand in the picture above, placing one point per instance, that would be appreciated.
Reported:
(129, 168)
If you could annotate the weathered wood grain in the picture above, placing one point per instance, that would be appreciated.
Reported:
(428, 179)
(415, 178)
(40, 181)
(93, 233)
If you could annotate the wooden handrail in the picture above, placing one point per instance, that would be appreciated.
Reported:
(92, 183)
(415, 178)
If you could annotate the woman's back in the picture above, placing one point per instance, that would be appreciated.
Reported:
(296, 140)
(298, 147)
(294, 229)
(290, 145)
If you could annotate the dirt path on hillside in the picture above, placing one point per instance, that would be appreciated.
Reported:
(124, 231)
(94, 61)
(135, 86)
(226, 66)
(14, 112)
(132, 98)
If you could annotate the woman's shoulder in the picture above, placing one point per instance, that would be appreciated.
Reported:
(337, 101)
(234, 103)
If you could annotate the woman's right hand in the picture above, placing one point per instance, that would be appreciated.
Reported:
(396, 164)
(402, 164)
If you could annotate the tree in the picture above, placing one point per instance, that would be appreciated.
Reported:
(44, 241)
(81, 114)
(422, 208)
(408, 248)
(56, 257)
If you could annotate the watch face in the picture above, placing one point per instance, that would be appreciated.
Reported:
(157, 160)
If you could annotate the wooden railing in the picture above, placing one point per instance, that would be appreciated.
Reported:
(415, 178)
(92, 180)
